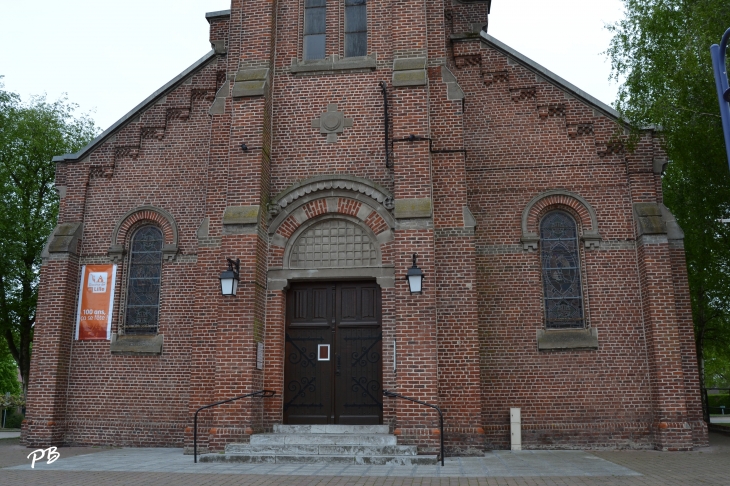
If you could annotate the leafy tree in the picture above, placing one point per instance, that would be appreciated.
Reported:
(30, 135)
(8, 371)
(660, 53)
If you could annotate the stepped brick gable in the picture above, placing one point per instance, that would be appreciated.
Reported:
(323, 143)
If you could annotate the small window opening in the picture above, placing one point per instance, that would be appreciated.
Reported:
(315, 15)
(356, 28)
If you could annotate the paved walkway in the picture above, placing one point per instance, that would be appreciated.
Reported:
(9, 435)
(79, 466)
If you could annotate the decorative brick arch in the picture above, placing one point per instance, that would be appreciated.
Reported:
(582, 211)
(313, 202)
(135, 218)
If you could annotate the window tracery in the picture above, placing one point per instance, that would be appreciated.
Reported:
(143, 282)
(561, 278)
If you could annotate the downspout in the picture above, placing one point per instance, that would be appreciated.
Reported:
(386, 121)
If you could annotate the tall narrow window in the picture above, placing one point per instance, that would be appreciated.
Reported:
(143, 293)
(561, 272)
(356, 28)
(315, 20)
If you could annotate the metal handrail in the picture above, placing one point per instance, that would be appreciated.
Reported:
(441, 415)
(257, 394)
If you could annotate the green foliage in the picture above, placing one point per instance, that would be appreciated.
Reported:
(14, 419)
(661, 53)
(716, 401)
(8, 371)
(30, 135)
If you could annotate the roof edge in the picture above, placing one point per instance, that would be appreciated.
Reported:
(150, 100)
(546, 73)
(217, 13)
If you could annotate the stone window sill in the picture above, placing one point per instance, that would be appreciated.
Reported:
(139, 345)
(568, 339)
(334, 64)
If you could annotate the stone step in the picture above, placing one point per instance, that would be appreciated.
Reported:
(331, 450)
(330, 429)
(324, 439)
(384, 460)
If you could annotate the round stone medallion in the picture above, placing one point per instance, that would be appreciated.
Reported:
(331, 121)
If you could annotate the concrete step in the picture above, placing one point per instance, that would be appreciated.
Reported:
(384, 460)
(327, 450)
(323, 439)
(330, 429)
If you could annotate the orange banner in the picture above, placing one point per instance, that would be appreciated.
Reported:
(96, 302)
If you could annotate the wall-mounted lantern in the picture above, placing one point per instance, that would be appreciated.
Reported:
(415, 277)
(229, 278)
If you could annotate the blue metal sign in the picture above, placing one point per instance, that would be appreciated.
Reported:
(723, 92)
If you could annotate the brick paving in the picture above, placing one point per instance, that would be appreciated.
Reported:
(105, 466)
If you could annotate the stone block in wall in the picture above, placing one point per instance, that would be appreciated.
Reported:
(413, 208)
(409, 72)
(64, 239)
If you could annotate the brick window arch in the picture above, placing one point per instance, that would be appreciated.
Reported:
(144, 273)
(583, 213)
(561, 271)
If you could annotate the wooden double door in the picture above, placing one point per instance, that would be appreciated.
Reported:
(333, 371)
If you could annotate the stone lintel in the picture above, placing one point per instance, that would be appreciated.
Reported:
(128, 344)
(334, 63)
(413, 208)
(409, 78)
(410, 72)
(567, 339)
(241, 215)
(409, 64)
(279, 278)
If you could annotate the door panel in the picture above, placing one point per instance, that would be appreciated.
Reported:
(348, 388)
(358, 382)
(307, 381)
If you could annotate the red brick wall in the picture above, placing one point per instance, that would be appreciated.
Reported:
(468, 343)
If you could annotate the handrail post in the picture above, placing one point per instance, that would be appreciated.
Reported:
(257, 394)
(441, 420)
(391, 394)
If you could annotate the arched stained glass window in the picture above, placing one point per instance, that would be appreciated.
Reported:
(143, 290)
(561, 272)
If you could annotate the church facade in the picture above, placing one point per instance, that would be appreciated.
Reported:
(322, 151)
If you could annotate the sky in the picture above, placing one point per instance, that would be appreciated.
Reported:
(108, 56)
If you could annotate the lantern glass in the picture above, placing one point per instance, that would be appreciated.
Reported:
(229, 283)
(415, 283)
